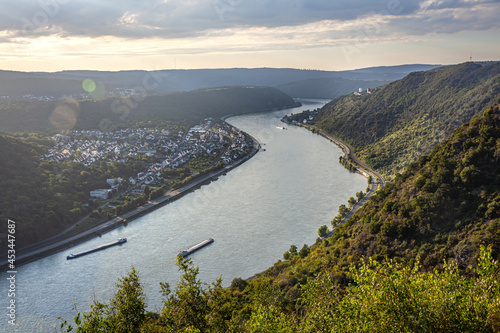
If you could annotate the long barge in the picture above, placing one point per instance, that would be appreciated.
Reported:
(197, 247)
(98, 248)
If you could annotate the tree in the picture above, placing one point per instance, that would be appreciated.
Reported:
(304, 251)
(360, 195)
(128, 304)
(239, 284)
(147, 191)
(322, 231)
(343, 210)
(293, 249)
(125, 313)
(157, 193)
(187, 306)
(351, 202)
(469, 175)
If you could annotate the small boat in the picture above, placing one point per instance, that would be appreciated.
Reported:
(98, 248)
(280, 127)
(197, 247)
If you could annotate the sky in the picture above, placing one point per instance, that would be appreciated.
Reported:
(55, 35)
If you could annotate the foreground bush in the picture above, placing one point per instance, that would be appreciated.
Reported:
(386, 297)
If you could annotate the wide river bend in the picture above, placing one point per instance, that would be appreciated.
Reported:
(279, 197)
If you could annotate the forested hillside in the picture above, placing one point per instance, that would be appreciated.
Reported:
(328, 87)
(108, 113)
(445, 205)
(17, 84)
(403, 120)
(435, 232)
(46, 197)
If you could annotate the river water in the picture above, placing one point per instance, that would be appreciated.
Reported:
(279, 197)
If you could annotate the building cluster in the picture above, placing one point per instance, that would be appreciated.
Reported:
(240, 143)
(360, 92)
(171, 148)
(29, 97)
(116, 92)
(88, 147)
(305, 117)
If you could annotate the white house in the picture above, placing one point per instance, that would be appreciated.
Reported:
(114, 182)
(101, 194)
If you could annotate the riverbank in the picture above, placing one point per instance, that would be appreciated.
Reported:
(361, 168)
(358, 165)
(297, 104)
(377, 181)
(65, 241)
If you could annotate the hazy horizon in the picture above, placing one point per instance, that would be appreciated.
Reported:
(229, 68)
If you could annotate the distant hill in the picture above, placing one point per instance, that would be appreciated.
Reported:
(32, 116)
(39, 86)
(164, 81)
(403, 120)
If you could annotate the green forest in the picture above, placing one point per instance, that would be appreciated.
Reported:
(419, 256)
(46, 197)
(403, 120)
(107, 114)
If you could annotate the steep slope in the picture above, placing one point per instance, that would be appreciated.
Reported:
(41, 197)
(444, 206)
(403, 120)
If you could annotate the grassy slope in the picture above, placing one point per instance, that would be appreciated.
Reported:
(403, 120)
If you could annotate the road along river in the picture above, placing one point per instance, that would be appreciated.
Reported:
(279, 197)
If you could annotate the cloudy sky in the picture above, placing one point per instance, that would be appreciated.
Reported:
(53, 35)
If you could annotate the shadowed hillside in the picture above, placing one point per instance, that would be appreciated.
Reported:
(108, 113)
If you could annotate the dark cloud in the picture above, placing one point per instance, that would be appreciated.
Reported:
(447, 17)
(189, 18)
(451, 4)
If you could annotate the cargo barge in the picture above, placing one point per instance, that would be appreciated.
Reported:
(98, 248)
(197, 247)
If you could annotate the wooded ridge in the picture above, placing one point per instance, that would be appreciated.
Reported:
(396, 124)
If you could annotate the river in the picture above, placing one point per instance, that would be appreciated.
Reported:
(279, 197)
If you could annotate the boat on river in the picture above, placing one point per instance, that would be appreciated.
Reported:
(197, 247)
(97, 248)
